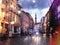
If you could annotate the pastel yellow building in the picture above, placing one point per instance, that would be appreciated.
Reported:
(8, 14)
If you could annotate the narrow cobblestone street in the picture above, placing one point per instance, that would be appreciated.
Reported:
(35, 39)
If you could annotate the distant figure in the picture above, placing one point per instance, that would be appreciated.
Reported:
(22, 32)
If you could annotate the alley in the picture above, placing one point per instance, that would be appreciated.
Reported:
(31, 40)
(29, 22)
(36, 39)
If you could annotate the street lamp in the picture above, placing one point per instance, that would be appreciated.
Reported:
(19, 12)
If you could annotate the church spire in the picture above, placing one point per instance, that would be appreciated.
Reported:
(35, 18)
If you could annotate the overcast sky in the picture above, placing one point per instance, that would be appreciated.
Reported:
(38, 7)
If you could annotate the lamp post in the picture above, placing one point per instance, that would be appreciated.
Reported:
(19, 30)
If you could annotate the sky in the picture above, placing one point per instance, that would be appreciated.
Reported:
(38, 7)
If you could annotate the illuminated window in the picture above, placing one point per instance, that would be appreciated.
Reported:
(58, 15)
(58, 9)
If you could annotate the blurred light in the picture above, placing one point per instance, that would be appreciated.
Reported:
(12, 6)
(58, 16)
(15, 19)
(3, 14)
(6, 22)
(1, 17)
(34, 1)
(0, 1)
(56, 32)
(37, 33)
(26, 25)
(19, 12)
(12, 22)
(33, 37)
(0, 28)
(36, 39)
(44, 24)
(44, 35)
(58, 9)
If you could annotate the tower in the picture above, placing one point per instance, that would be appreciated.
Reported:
(35, 18)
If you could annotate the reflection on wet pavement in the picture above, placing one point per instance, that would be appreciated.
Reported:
(28, 40)
(32, 40)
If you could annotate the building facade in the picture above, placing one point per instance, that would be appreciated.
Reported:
(13, 19)
(56, 8)
(9, 12)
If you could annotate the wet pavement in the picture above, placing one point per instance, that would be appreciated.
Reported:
(31, 40)
(36, 39)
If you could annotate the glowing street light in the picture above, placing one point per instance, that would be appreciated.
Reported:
(19, 12)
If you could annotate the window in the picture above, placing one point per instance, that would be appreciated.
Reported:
(6, 1)
(58, 10)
